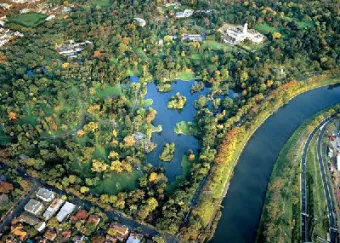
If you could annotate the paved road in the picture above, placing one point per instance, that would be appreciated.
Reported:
(304, 215)
(112, 215)
(330, 205)
(18, 208)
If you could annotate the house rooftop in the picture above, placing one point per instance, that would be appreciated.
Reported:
(65, 211)
(45, 194)
(28, 219)
(34, 207)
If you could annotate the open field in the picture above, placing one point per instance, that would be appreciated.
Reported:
(28, 20)
(115, 183)
(101, 3)
(185, 76)
(217, 46)
(266, 28)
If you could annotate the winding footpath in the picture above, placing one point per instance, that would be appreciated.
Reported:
(304, 203)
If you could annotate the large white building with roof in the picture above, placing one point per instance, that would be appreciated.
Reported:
(65, 211)
(234, 34)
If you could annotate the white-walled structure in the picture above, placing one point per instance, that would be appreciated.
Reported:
(234, 34)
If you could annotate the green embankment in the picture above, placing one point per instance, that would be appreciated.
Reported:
(317, 207)
(28, 20)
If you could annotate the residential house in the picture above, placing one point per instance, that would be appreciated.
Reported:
(40, 226)
(80, 215)
(17, 230)
(141, 22)
(79, 239)
(28, 219)
(118, 231)
(34, 207)
(134, 238)
(45, 194)
(53, 208)
(4, 199)
(66, 235)
(50, 235)
(185, 14)
(65, 211)
(6, 187)
(192, 37)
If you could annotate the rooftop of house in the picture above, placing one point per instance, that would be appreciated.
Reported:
(50, 235)
(18, 231)
(45, 194)
(120, 229)
(93, 219)
(6, 187)
(66, 210)
(134, 238)
(28, 219)
(80, 215)
(34, 207)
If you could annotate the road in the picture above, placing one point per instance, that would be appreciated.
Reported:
(330, 205)
(112, 215)
(18, 208)
(304, 216)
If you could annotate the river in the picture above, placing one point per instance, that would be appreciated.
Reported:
(243, 204)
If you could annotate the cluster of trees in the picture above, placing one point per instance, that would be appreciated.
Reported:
(168, 152)
(177, 101)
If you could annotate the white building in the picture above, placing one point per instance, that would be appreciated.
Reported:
(187, 13)
(338, 162)
(40, 226)
(141, 22)
(134, 238)
(234, 34)
(45, 194)
(65, 211)
(34, 207)
(52, 16)
(175, 5)
(53, 208)
(192, 37)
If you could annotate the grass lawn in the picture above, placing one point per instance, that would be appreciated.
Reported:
(115, 183)
(317, 207)
(28, 20)
(106, 90)
(184, 127)
(101, 3)
(186, 76)
(217, 46)
(265, 28)
(300, 24)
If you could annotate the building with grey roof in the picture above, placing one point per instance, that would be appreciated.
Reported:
(45, 194)
(34, 207)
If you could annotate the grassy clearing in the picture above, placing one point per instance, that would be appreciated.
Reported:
(104, 91)
(183, 127)
(266, 28)
(300, 24)
(186, 75)
(115, 183)
(101, 3)
(28, 20)
(217, 46)
(317, 207)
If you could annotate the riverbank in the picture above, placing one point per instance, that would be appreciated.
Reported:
(237, 137)
(281, 214)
